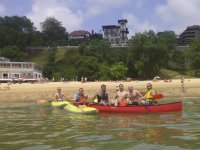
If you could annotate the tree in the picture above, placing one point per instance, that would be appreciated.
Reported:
(104, 72)
(98, 48)
(87, 66)
(48, 70)
(83, 50)
(195, 64)
(37, 39)
(16, 30)
(169, 39)
(13, 53)
(52, 57)
(195, 56)
(179, 58)
(53, 31)
(118, 71)
(147, 55)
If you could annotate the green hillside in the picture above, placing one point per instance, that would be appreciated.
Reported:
(41, 57)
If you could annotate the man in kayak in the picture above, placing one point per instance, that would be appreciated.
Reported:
(102, 96)
(133, 96)
(80, 97)
(59, 96)
(148, 98)
(121, 96)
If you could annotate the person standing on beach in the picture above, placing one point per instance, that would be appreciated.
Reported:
(59, 96)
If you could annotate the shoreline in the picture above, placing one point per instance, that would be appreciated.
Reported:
(32, 92)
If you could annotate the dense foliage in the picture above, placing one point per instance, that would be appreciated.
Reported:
(195, 56)
(54, 33)
(147, 55)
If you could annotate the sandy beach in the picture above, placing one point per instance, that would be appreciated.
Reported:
(32, 92)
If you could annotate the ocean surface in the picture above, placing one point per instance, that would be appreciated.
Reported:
(28, 126)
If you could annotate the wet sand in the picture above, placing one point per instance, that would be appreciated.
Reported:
(32, 92)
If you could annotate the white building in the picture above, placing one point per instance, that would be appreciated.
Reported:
(116, 34)
(26, 71)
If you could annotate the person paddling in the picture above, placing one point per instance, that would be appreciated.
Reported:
(148, 98)
(80, 97)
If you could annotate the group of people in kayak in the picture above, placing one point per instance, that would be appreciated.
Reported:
(122, 98)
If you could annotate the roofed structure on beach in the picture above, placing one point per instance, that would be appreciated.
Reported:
(19, 70)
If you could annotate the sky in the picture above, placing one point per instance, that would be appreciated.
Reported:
(142, 15)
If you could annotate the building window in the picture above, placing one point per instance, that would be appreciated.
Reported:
(25, 65)
(30, 66)
(5, 75)
(15, 75)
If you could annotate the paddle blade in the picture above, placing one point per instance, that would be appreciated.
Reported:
(123, 103)
(158, 96)
(41, 101)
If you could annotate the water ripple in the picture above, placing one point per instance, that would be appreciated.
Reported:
(25, 126)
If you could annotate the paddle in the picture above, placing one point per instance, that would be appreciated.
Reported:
(43, 101)
(158, 96)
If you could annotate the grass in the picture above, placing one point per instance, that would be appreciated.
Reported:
(60, 53)
(41, 57)
(166, 73)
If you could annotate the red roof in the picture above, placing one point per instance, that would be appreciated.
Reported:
(79, 33)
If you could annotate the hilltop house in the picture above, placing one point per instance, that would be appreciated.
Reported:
(116, 34)
(79, 34)
(190, 33)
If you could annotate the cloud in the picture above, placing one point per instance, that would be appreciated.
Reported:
(135, 25)
(71, 20)
(97, 7)
(71, 13)
(140, 3)
(179, 14)
(2, 9)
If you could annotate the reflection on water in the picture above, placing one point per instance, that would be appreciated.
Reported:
(27, 126)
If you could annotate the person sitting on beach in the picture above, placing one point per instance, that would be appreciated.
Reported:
(121, 95)
(102, 96)
(80, 97)
(59, 96)
(148, 98)
(133, 96)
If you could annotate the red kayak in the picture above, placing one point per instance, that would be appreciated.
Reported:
(169, 107)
